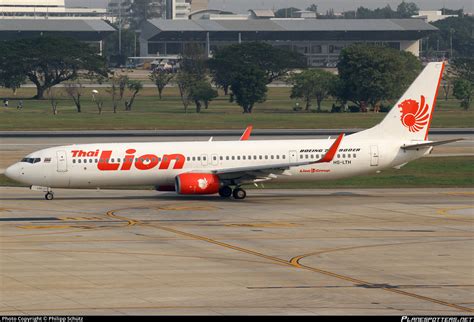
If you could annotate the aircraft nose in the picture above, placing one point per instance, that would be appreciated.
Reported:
(13, 172)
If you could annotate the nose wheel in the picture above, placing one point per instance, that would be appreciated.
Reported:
(49, 196)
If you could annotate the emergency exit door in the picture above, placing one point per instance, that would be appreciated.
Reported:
(374, 155)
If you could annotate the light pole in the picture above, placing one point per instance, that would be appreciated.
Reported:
(451, 31)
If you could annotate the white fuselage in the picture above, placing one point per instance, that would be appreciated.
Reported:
(158, 164)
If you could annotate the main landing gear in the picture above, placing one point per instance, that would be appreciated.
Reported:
(238, 193)
(49, 195)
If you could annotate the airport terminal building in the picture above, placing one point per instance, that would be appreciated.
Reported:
(91, 31)
(320, 41)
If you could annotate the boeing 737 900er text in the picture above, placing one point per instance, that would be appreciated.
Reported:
(223, 167)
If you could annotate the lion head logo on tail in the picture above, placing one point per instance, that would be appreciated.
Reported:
(414, 116)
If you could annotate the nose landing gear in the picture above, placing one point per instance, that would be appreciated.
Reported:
(49, 193)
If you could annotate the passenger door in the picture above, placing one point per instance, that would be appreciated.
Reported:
(374, 155)
(62, 161)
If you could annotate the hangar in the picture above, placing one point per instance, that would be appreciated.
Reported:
(320, 41)
(92, 31)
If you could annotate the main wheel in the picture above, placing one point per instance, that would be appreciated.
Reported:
(49, 196)
(225, 192)
(239, 193)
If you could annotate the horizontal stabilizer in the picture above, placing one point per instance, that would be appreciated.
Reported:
(428, 144)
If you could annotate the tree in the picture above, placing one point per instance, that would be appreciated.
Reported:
(249, 87)
(194, 60)
(74, 90)
(127, 45)
(464, 68)
(114, 90)
(202, 92)
(47, 62)
(274, 62)
(312, 84)
(455, 32)
(407, 9)
(143, 10)
(464, 90)
(313, 8)
(97, 99)
(161, 78)
(463, 74)
(370, 74)
(135, 87)
(123, 82)
(53, 100)
(185, 82)
(13, 81)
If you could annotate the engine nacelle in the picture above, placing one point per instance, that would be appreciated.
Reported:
(197, 184)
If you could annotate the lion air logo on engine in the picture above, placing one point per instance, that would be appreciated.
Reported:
(414, 115)
(202, 183)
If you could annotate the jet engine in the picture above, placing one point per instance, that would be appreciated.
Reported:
(197, 184)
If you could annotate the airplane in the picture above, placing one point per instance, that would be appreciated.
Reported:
(224, 167)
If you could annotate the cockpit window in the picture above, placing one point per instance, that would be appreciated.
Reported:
(31, 160)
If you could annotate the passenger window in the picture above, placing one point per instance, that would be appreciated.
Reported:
(238, 157)
(243, 157)
(199, 158)
(338, 155)
(96, 160)
(277, 156)
(284, 156)
(344, 155)
(221, 158)
(266, 157)
(271, 157)
(260, 157)
(354, 155)
(233, 157)
(79, 161)
(194, 158)
(73, 161)
(227, 157)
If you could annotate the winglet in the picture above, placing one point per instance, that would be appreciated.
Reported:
(246, 134)
(332, 150)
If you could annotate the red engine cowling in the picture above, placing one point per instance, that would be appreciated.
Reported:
(197, 184)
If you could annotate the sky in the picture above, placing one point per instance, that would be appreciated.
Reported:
(241, 6)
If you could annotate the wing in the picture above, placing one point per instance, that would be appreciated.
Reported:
(271, 171)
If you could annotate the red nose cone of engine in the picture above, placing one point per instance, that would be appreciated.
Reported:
(197, 184)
